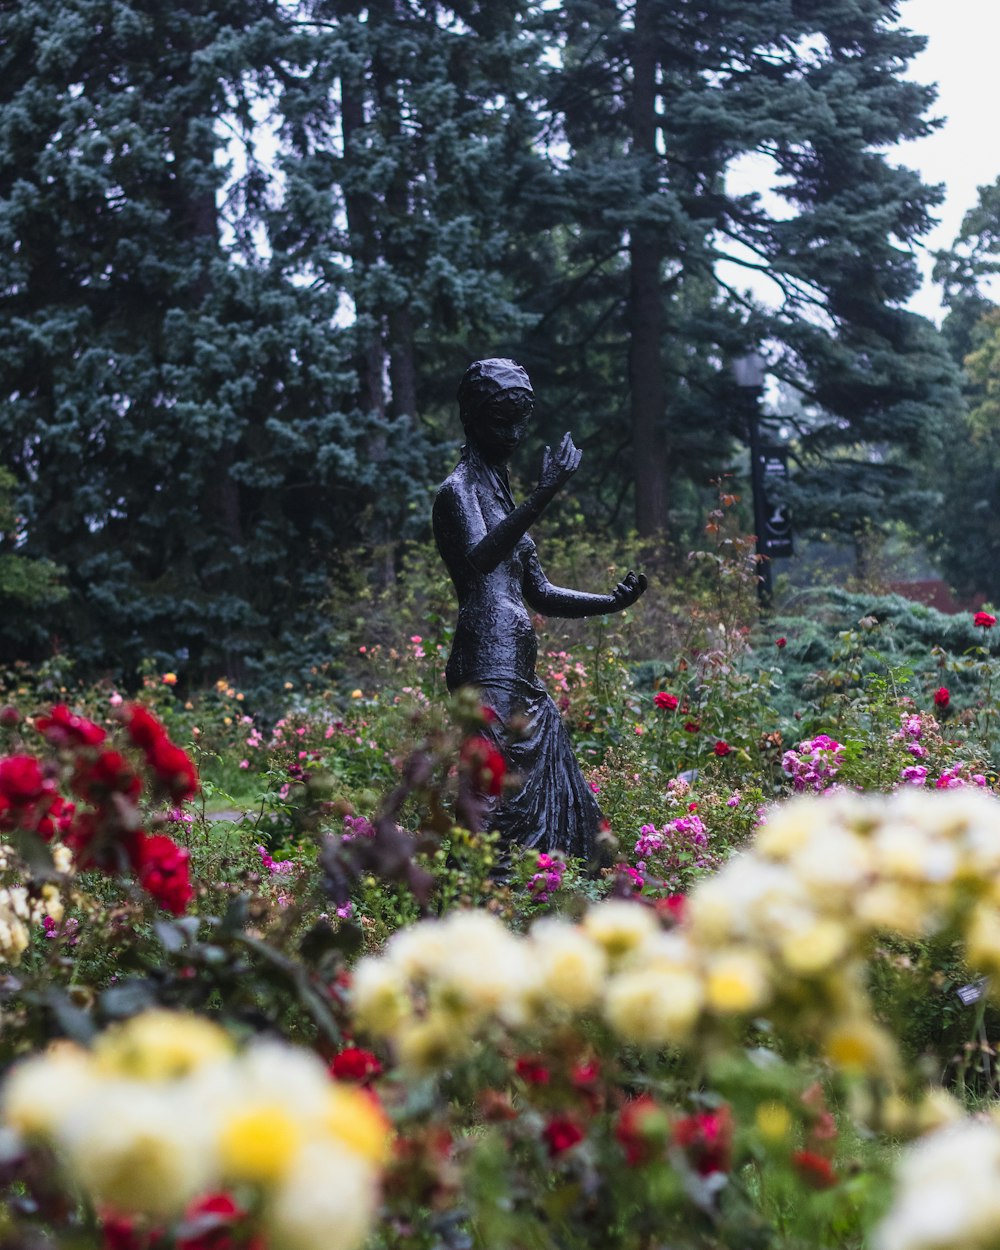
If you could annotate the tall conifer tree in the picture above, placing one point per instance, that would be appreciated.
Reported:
(659, 100)
(169, 395)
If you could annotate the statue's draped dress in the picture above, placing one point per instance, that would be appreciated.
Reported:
(550, 807)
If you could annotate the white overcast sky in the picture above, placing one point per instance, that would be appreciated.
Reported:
(961, 57)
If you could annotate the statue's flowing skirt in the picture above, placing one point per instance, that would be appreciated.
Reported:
(549, 806)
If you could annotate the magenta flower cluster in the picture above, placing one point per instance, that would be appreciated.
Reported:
(357, 827)
(547, 879)
(276, 867)
(813, 764)
(668, 855)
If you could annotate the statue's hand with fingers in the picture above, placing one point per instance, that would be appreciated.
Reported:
(629, 589)
(559, 467)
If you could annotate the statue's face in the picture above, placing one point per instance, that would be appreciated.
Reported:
(502, 423)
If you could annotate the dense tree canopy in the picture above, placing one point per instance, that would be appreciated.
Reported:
(967, 523)
(250, 245)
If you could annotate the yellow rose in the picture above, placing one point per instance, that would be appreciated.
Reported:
(570, 965)
(859, 1046)
(259, 1144)
(358, 1122)
(773, 1121)
(982, 938)
(160, 1046)
(736, 982)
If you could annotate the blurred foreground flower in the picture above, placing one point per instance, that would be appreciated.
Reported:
(164, 1113)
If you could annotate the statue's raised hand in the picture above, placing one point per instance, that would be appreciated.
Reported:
(558, 467)
(628, 590)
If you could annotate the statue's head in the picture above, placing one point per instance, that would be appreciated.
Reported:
(495, 402)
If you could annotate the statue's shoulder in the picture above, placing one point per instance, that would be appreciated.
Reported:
(456, 486)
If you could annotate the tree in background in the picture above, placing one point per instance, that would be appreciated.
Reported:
(169, 397)
(250, 245)
(404, 150)
(968, 476)
(657, 103)
(28, 587)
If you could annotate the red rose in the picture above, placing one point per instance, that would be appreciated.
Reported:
(692, 726)
(487, 766)
(119, 1232)
(80, 836)
(706, 1138)
(143, 727)
(642, 1129)
(174, 768)
(64, 728)
(21, 780)
(162, 868)
(562, 1133)
(722, 749)
(672, 907)
(532, 1071)
(210, 1224)
(586, 1074)
(57, 819)
(355, 1064)
(814, 1169)
(984, 620)
(780, 642)
(942, 697)
(667, 701)
(108, 774)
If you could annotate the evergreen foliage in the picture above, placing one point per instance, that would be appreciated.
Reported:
(966, 523)
(812, 95)
(248, 247)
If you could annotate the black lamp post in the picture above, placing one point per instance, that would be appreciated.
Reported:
(749, 373)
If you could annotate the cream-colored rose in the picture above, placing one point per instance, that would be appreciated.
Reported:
(815, 947)
(133, 1148)
(789, 827)
(619, 926)
(894, 906)
(484, 971)
(947, 1193)
(982, 938)
(418, 949)
(327, 1202)
(654, 1007)
(39, 1092)
(379, 996)
(571, 967)
(432, 1042)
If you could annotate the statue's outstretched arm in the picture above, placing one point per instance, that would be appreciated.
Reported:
(542, 596)
(498, 545)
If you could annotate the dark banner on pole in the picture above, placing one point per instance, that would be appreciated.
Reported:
(776, 538)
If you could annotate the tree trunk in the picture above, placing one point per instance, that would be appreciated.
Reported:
(645, 310)
(402, 364)
(364, 252)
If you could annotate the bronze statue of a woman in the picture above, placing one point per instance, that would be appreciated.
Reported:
(482, 536)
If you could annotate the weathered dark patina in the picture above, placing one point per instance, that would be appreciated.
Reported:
(482, 536)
